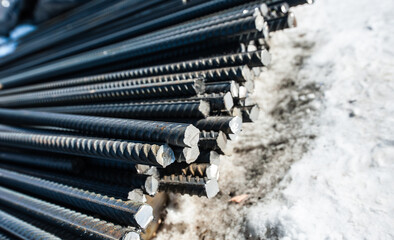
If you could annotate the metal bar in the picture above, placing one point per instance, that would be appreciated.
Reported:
(85, 225)
(177, 134)
(22, 229)
(129, 213)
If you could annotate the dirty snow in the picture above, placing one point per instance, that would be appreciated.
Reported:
(319, 162)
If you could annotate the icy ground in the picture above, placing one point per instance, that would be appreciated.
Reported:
(319, 163)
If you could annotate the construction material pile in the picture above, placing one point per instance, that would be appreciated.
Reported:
(115, 100)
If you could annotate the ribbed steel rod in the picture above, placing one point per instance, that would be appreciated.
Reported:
(120, 90)
(149, 110)
(89, 227)
(150, 154)
(54, 162)
(177, 134)
(124, 178)
(211, 157)
(21, 229)
(207, 170)
(46, 226)
(221, 87)
(129, 49)
(251, 59)
(123, 212)
(211, 140)
(110, 190)
(189, 185)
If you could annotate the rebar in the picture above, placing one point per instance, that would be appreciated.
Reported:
(177, 134)
(211, 140)
(251, 59)
(189, 185)
(151, 154)
(128, 49)
(129, 213)
(55, 162)
(85, 225)
(149, 110)
(22, 229)
(229, 125)
(210, 171)
(105, 92)
(124, 178)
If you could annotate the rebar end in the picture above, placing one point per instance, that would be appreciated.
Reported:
(247, 73)
(291, 20)
(204, 108)
(254, 113)
(228, 101)
(144, 216)
(191, 154)
(243, 93)
(192, 136)
(265, 57)
(212, 171)
(131, 236)
(235, 125)
(199, 86)
(221, 141)
(264, 9)
(259, 21)
(234, 87)
(136, 196)
(214, 158)
(165, 156)
(151, 185)
(212, 188)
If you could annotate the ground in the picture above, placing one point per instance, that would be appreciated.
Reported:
(319, 162)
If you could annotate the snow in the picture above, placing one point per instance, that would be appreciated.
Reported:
(343, 188)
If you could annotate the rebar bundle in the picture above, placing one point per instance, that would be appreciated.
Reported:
(115, 101)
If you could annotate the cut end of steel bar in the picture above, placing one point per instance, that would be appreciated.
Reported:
(264, 9)
(212, 188)
(221, 141)
(204, 108)
(265, 57)
(191, 137)
(136, 195)
(212, 172)
(234, 89)
(151, 185)
(259, 20)
(291, 20)
(254, 113)
(243, 92)
(165, 156)
(247, 73)
(131, 236)
(266, 30)
(191, 154)
(228, 101)
(144, 216)
(235, 125)
(199, 86)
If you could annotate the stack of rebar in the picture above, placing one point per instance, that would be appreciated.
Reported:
(116, 100)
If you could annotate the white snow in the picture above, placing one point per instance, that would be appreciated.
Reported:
(343, 188)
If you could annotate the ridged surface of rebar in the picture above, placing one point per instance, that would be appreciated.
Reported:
(103, 92)
(119, 211)
(89, 147)
(23, 229)
(154, 131)
(153, 110)
(44, 161)
(83, 224)
(183, 185)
